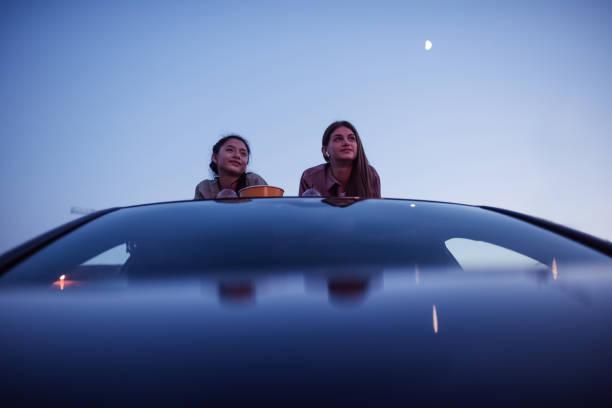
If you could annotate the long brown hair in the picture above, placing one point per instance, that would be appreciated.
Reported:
(361, 181)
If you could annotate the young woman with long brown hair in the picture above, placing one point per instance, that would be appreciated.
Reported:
(346, 171)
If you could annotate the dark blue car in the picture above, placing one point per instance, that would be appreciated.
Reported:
(307, 301)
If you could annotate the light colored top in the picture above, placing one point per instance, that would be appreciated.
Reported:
(322, 179)
(208, 189)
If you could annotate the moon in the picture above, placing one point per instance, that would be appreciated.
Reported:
(428, 45)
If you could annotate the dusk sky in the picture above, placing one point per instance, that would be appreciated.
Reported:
(119, 103)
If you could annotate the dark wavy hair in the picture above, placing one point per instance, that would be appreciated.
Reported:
(361, 181)
(217, 147)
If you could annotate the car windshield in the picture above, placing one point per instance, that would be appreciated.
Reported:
(208, 237)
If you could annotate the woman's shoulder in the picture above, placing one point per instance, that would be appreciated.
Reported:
(204, 184)
(206, 189)
(253, 179)
(314, 170)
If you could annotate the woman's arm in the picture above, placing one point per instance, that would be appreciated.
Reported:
(254, 179)
(303, 185)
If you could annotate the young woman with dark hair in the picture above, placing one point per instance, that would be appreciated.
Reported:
(230, 156)
(346, 171)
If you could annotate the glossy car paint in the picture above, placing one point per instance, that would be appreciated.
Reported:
(304, 332)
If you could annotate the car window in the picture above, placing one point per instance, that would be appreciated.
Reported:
(115, 256)
(287, 234)
(474, 256)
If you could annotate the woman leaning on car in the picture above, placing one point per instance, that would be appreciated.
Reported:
(230, 156)
(346, 171)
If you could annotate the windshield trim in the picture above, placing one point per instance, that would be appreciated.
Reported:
(591, 241)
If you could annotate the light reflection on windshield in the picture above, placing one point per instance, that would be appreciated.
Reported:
(63, 282)
(237, 293)
(341, 287)
(435, 319)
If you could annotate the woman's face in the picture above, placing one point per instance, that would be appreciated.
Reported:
(232, 158)
(342, 145)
